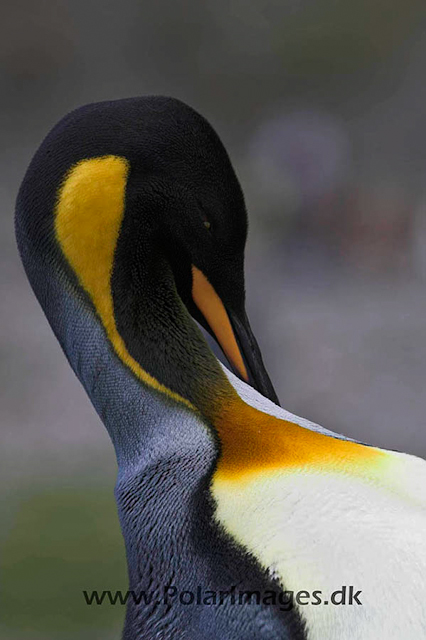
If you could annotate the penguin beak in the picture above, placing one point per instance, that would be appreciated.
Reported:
(233, 333)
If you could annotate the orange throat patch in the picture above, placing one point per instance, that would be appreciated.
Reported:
(253, 441)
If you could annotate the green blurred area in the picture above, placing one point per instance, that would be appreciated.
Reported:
(61, 541)
(340, 37)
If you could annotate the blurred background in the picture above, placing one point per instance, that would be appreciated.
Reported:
(322, 106)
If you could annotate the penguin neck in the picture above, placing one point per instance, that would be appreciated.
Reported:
(162, 338)
(108, 290)
(134, 404)
(111, 238)
(164, 364)
(140, 408)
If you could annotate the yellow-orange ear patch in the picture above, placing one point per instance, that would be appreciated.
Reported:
(89, 213)
(88, 216)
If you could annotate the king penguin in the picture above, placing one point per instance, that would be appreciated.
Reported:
(241, 521)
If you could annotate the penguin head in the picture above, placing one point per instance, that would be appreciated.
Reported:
(182, 225)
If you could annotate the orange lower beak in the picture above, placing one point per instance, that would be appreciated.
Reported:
(211, 306)
(233, 333)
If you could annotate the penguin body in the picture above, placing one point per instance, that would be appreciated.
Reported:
(131, 225)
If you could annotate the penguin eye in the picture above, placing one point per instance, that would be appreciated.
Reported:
(206, 221)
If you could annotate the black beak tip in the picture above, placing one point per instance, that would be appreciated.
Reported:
(264, 386)
(258, 377)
